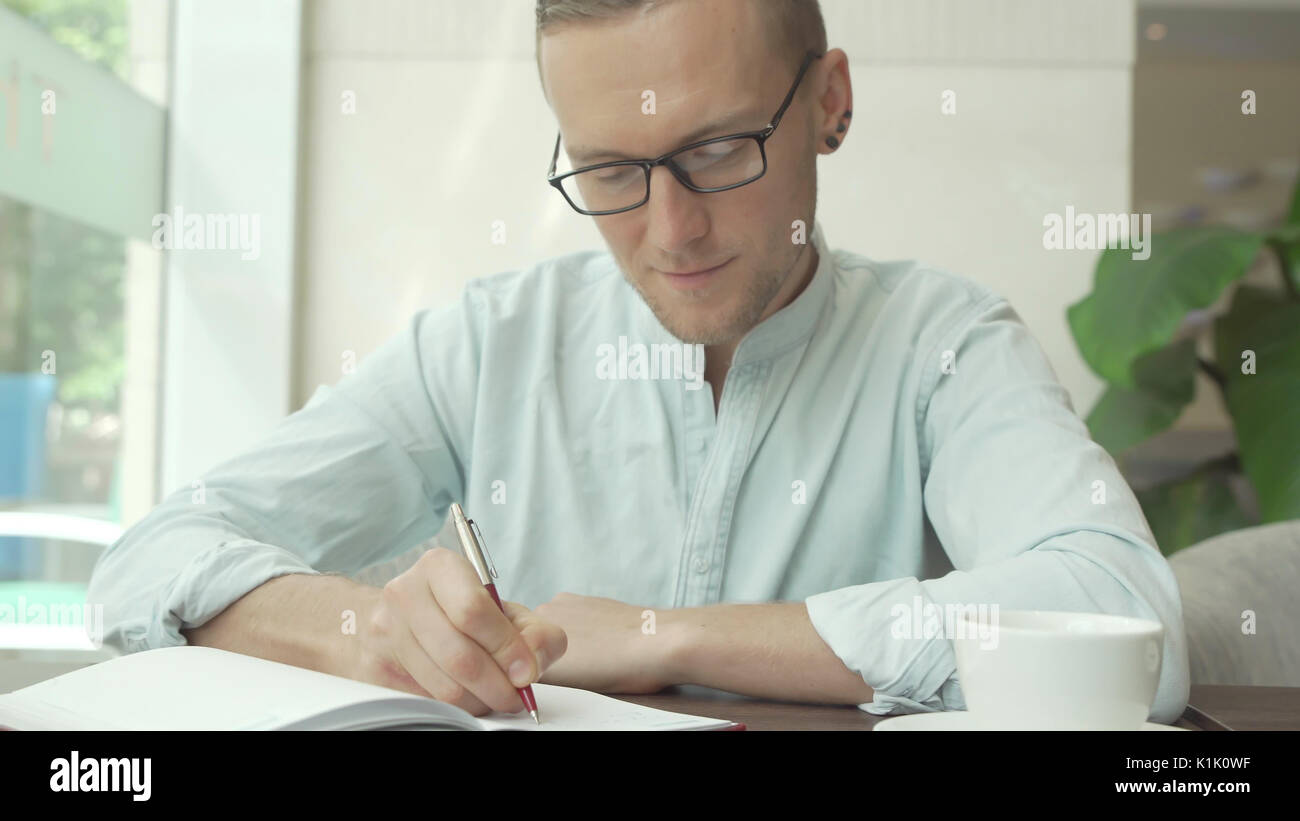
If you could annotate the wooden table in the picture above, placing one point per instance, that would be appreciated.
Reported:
(1211, 707)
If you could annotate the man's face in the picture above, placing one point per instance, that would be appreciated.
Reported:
(706, 62)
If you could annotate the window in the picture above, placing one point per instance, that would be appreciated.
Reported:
(82, 93)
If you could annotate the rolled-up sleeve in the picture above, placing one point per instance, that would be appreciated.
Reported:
(1031, 512)
(364, 471)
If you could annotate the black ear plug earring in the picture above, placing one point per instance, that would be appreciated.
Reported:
(834, 142)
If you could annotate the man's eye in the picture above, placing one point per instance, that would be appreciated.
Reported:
(617, 174)
(719, 149)
(712, 153)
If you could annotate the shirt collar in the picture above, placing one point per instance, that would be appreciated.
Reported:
(792, 324)
(795, 322)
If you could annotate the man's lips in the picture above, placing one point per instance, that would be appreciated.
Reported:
(687, 280)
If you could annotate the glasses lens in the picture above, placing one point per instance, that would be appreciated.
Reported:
(607, 189)
(719, 164)
(723, 163)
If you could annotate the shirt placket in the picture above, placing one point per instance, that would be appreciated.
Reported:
(714, 471)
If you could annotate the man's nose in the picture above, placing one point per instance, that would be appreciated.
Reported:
(677, 215)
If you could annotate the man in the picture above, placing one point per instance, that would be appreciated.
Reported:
(877, 439)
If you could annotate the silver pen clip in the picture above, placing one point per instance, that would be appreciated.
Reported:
(482, 545)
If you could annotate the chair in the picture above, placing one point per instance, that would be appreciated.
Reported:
(1255, 570)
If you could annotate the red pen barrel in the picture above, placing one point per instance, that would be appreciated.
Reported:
(525, 692)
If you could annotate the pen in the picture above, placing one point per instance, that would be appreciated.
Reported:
(475, 549)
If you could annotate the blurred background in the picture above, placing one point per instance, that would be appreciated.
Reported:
(389, 150)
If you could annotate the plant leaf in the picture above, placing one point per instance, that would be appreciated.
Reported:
(1166, 379)
(1188, 510)
(1265, 405)
(1291, 247)
(1293, 218)
(1137, 306)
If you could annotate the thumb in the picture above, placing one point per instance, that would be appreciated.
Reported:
(546, 639)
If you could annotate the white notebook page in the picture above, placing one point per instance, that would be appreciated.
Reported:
(565, 708)
(201, 688)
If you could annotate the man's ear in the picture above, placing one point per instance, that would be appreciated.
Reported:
(833, 107)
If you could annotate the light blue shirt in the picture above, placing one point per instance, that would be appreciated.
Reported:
(892, 437)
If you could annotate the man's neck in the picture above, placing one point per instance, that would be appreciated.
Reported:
(717, 358)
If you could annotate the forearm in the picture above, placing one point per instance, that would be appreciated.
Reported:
(299, 619)
(762, 650)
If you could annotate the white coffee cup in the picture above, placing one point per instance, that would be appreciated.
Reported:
(1049, 670)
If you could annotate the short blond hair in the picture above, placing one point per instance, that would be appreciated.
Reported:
(794, 27)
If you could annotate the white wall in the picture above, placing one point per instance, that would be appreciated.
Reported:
(395, 214)
(451, 132)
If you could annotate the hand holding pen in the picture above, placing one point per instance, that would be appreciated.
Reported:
(471, 542)
(432, 631)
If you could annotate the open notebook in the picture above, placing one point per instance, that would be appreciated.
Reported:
(202, 688)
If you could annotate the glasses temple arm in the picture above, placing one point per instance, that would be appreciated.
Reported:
(789, 97)
(555, 156)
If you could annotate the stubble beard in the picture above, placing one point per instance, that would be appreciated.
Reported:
(722, 328)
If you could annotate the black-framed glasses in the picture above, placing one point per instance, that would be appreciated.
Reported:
(706, 166)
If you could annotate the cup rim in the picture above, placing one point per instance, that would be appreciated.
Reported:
(1117, 626)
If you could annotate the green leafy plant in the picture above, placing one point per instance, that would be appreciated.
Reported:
(61, 283)
(1128, 330)
(15, 288)
(61, 290)
(95, 29)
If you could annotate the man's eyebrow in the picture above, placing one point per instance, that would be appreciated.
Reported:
(586, 155)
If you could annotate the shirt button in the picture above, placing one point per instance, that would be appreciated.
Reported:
(701, 565)
(700, 445)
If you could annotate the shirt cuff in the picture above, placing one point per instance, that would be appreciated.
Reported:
(949, 697)
(870, 628)
(206, 586)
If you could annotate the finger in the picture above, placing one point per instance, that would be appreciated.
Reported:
(427, 676)
(545, 638)
(469, 607)
(463, 659)
(413, 610)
